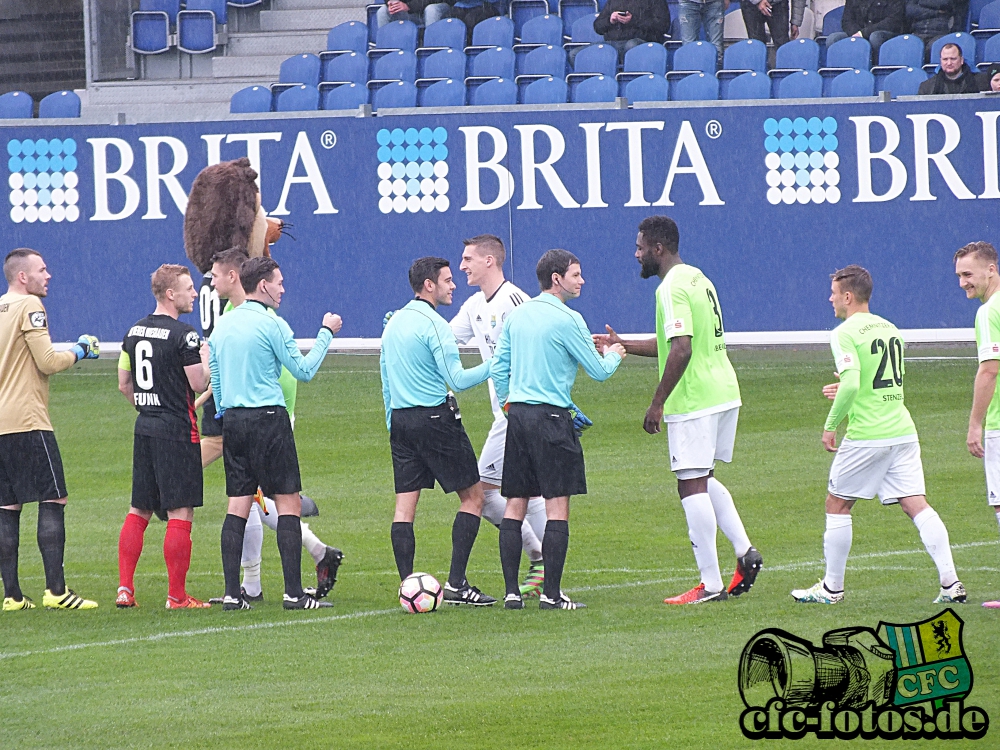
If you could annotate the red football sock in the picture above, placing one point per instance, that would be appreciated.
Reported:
(177, 553)
(129, 549)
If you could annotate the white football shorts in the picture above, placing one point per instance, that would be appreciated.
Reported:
(491, 459)
(860, 472)
(696, 444)
(992, 464)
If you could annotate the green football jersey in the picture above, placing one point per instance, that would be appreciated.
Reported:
(988, 343)
(873, 345)
(289, 385)
(688, 305)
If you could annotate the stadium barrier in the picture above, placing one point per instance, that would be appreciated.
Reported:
(770, 198)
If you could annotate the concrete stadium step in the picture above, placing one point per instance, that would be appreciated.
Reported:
(286, 43)
(261, 66)
(192, 91)
(325, 19)
(316, 4)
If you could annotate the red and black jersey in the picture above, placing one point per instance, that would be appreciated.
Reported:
(158, 349)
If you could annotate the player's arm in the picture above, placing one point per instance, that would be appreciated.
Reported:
(47, 359)
(982, 393)
(125, 377)
(213, 368)
(386, 395)
(461, 325)
(639, 347)
(449, 363)
(580, 346)
(677, 361)
(195, 364)
(500, 367)
(287, 351)
(850, 384)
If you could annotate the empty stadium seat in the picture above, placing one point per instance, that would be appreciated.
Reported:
(853, 53)
(60, 104)
(398, 65)
(219, 9)
(493, 32)
(251, 99)
(851, 83)
(647, 89)
(989, 26)
(170, 7)
(301, 98)
(304, 68)
(16, 105)
(991, 53)
(793, 57)
(595, 89)
(646, 59)
(350, 36)
(976, 8)
(802, 84)
(196, 31)
(696, 87)
(523, 12)
(443, 64)
(549, 90)
(542, 62)
(904, 51)
(351, 67)
(345, 96)
(751, 85)
(903, 82)
(448, 33)
(449, 93)
(694, 57)
(395, 35)
(594, 60)
(494, 62)
(832, 23)
(494, 91)
(583, 33)
(739, 58)
(150, 32)
(572, 10)
(396, 94)
(540, 31)
(966, 42)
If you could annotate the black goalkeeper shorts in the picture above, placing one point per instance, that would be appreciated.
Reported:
(31, 469)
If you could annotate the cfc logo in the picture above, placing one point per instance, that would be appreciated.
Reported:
(801, 160)
(413, 170)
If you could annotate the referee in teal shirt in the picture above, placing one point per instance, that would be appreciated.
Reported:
(246, 351)
(542, 344)
(419, 359)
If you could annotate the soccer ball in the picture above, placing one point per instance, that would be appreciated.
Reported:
(420, 592)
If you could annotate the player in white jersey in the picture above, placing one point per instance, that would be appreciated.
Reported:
(480, 320)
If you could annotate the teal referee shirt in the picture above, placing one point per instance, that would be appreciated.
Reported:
(246, 351)
(542, 343)
(420, 358)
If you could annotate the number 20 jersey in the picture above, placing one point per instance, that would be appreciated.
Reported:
(874, 346)
(156, 350)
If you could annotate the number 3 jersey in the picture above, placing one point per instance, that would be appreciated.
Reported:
(688, 305)
(156, 350)
(872, 345)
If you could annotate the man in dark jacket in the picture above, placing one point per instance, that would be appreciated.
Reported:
(955, 77)
(625, 24)
(930, 19)
(875, 20)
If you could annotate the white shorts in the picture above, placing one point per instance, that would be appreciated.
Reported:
(860, 472)
(992, 464)
(696, 444)
(491, 459)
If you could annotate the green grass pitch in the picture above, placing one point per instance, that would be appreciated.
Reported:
(627, 672)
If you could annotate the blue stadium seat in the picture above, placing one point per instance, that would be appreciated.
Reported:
(396, 35)
(398, 65)
(448, 33)
(196, 31)
(243, 3)
(595, 89)
(523, 12)
(304, 68)
(572, 10)
(251, 99)
(853, 53)
(832, 23)
(218, 7)
(903, 82)
(904, 51)
(494, 62)
(697, 87)
(976, 8)
(752, 85)
(852, 83)
(449, 93)
(493, 32)
(545, 91)
(991, 53)
(396, 94)
(345, 96)
(595, 60)
(351, 67)
(802, 84)
(965, 41)
(583, 33)
(694, 57)
(793, 57)
(542, 62)
(540, 31)
(494, 91)
(60, 104)
(170, 7)
(989, 26)
(150, 32)
(739, 58)
(301, 98)
(16, 105)
(646, 59)
(647, 89)
(443, 64)
(350, 36)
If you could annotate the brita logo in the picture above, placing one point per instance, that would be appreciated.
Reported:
(801, 160)
(412, 170)
(43, 180)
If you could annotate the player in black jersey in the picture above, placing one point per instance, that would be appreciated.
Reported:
(210, 307)
(163, 363)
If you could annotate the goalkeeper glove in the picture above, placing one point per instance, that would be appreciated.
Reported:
(580, 420)
(385, 319)
(86, 347)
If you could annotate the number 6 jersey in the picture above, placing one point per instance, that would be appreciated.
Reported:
(873, 346)
(156, 350)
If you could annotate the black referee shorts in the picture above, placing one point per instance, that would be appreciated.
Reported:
(210, 426)
(543, 455)
(429, 443)
(166, 474)
(31, 469)
(258, 449)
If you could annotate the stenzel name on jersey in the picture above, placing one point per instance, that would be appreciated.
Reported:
(148, 332)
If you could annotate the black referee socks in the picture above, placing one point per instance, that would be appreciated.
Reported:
(232, 552)
(52, 543)
(463, 536)
(290, 548)
(510, 553)
(403, 547)
(10, 534)
(555, 542)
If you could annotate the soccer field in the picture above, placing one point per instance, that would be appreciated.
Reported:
(627, 672)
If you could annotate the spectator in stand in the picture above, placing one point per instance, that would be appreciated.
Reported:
(930, 19)
(775, 15)
(875, 20)
(954, 77)
(420, 12)
(625, 24)
(710, 13)
(991, 79)
(471, 12)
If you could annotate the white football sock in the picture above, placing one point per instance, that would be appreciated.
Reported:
(271, 518)
(701, 530)
(998, 518)
(728, 517)
(836, 547)
(529, 540)
(536, 517)
(494, 506)
(253, 541)
(313, 544)
(935, 538)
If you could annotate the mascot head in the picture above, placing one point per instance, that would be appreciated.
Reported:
(224, 211)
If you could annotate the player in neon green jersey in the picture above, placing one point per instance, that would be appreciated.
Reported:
(976, 267)
(699, 398)
(880, 454)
